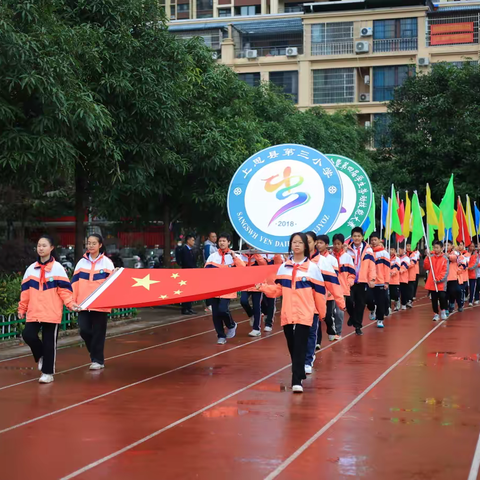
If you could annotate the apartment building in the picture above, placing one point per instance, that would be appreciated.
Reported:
(337, 54)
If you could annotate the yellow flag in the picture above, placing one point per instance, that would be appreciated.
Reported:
(431, 215)
(455, 228)
(441, 227)
(470, 220)
(407, 228)
(422, 211)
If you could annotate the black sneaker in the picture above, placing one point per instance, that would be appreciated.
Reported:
(350, 322)
(358, 331)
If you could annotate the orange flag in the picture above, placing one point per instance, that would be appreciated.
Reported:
(130, 287)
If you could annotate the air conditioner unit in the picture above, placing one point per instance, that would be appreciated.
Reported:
(366, 32)
(251, 54)
(366, 79)
(423, 61)
(215, 55)
(364, 97)
(362, 47)
(368, 124)
(291, 52)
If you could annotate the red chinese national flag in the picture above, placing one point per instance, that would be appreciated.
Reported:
(463, 233)
(129, 287)
(401, 216)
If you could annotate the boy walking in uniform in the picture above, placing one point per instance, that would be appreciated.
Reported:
(437, 266)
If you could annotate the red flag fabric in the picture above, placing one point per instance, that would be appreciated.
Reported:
(401, 216)
(129, 287)
(463, 232)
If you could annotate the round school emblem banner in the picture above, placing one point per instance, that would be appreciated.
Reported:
(357, 195)
(281, 190)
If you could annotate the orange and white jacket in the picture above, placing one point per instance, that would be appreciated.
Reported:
(382, 265)
(253, 260)
(472, 266)
(303, 289)
(414, 268)
(89, 275)
(395, 270)
(45, 289)
(440, 264)
(346, 271)
(404, 268)
(453, 266)
(366, 263)
(462, 262)
(223, 259)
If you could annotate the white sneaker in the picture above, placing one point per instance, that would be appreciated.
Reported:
(477, 302)
(231, 332)
(45, 378)
(255, 333)
(96, 366)
(470, 304)
(436, 317)
(331, 338)
(397, 306)
(404, 307)
(444, 315)
(372, 316)
(267, 329)
(380, 324)
(338, 337)
(221, 341)
(297, 389)
(40, 364)
(251, 321)
(317, 347)
(414, 298)
(308, 369)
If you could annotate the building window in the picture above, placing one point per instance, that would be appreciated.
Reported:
(224, 12)
(172, 12)
(185, 7)
(212, 38)
(395, 35)
(252, 79)
(386, 79)
(381, 133)
(334, 85)
(248, 10)
(204, 8)
(452, 30)
(332, 38)
(287, 81)
(293, 7)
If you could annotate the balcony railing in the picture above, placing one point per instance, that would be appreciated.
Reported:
(338, 48)
(267, 51)
(395, 45)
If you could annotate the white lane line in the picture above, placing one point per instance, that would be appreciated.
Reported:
(103, 395)
(473, 475)
(192, 415)
(335, 419)
(118, 356)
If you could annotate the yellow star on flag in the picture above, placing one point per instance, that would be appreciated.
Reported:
(182, 282)
(177, 292)
(175, 275)
(163, 297)
(144, 282)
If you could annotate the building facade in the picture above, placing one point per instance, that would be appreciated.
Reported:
(335, 54)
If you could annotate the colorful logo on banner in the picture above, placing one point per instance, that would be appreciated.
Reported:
(284, 189)
(357, 195)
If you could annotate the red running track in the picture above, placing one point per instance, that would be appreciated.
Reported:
(398, 403)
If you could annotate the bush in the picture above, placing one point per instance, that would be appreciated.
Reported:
(15, 258)
(10, 288)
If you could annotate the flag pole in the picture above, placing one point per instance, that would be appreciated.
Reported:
(463, 228)
(428, 251)
(381, 217)
(475, 206)
(391, 218)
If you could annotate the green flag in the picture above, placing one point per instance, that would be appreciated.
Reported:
(395, 219)
(371, 218)
(417, 222)
(447, 205)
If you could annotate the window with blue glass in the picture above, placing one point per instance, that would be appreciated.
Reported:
(252, 79)
(395, 35)
(386, 79)
(381, 133)
(287, 82)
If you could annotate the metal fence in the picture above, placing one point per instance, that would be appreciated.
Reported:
(452, 30)
(395, 44)
(11, 326)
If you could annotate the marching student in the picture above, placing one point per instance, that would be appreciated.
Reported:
(45, 290)
(269, 307)
(394, 279)
(346, 277)
(413, 271)
(437, 266)
(453, 288)
(364, 263)
(472, 274)
(301, 284)
(405, 296)
(255, 312)
(209, 247)
(463, 259)
(223, 258)
(91, 271)
(382, 265)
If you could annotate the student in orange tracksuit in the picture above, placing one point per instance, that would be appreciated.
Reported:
(405, 295)
(453, 288)
(472, 273)
(223, 258)
(382, 265)
(364, 263)
(395, 279)
(413, 271)
(91, 271)
(45, 290)
(437, 266)
(301, 284)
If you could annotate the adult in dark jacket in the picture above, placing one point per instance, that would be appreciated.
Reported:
(189, 260)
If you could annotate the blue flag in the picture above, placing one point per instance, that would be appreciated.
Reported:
(385, 211)
(477, 218)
